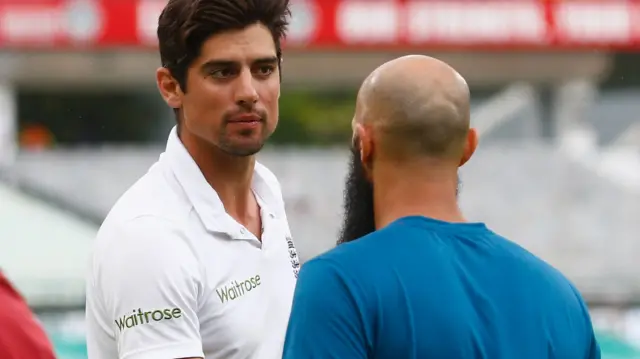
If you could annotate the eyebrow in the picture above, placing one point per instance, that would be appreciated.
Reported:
(228, 63)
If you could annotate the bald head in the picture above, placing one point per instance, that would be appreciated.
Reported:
(416, 106)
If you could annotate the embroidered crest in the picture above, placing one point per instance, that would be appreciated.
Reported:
(293, 256)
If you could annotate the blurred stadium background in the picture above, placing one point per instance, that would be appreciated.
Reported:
(556, 97)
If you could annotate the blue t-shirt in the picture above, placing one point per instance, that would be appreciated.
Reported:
(422, 289)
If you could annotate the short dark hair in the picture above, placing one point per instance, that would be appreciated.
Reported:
(184, 25)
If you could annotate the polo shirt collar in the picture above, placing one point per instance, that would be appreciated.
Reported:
(202, 196)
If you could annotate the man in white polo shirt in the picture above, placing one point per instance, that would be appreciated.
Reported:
(196, 259)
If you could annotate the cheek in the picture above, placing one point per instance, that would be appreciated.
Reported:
(269, 96)
(204, 103)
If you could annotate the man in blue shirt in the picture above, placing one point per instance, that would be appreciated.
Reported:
(411, 278)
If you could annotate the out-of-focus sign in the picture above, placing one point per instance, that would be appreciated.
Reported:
(346, 24)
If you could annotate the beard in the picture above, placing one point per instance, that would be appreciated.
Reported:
(359, 219)
(359, 215)
(245, 142)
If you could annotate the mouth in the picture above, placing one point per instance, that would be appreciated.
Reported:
(245, 123)
(246, 119)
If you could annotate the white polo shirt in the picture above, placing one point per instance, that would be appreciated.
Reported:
(174, 276)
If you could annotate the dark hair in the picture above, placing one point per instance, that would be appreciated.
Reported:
(185, 25)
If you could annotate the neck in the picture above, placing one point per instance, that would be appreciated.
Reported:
(428, 190)
(230, 176)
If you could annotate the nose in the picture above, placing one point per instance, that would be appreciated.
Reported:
(246, 93)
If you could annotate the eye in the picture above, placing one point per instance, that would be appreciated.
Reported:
(265, 70)
(222, 73)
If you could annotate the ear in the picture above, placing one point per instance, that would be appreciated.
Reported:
(365, 144)
(471, 143)
(169, 88)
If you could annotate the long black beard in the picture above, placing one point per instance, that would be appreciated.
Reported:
(359, 219)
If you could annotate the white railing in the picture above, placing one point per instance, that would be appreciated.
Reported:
(502, 107)
(630, 137)
(619, 162)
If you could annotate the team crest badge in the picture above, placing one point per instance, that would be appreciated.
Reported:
(293, 256)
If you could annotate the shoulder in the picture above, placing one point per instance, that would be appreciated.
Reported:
(144, 257)
(152, 209)
(321, 274)
(145, 245)
(339, 263)
(143, 232)
(347, 253)
(140, 229)
(536, 264)
(155, 194)
(547, 278)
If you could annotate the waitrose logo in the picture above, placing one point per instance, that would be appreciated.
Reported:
(237, 289)
(139, 317)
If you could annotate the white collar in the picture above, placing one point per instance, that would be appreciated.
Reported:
(203, 197)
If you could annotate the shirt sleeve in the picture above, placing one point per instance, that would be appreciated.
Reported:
(592, 347)
(21, 335)
(594, 351)
(148, 280)
(325, 321)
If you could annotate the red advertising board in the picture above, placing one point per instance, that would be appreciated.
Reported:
(345, 24)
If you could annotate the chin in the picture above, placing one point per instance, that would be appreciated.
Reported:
(242, 149)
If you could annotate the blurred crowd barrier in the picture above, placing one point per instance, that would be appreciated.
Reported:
(531, 192)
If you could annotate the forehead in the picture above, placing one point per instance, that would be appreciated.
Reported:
(245, 45)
